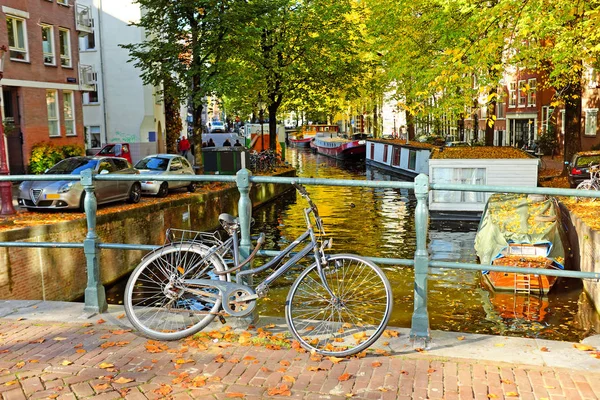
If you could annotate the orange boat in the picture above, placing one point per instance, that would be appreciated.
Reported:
(518, 230)
(519, 306)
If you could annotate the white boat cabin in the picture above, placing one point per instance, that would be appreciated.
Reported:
(495, 166)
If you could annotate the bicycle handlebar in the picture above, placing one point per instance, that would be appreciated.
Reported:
(302, 190)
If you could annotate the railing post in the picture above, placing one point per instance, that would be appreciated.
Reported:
(95, 296)
(420, 319)
(244, 210)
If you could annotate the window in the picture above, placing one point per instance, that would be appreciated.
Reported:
(65, 47)
(69, 113)
(48, 45)
(470, 176)
(500, 111)
(546, 117)
(591, 76)
(385, 152)
(522, 94)
(52, 106)
(396, 156)
(63, 2)
(512, 94)
(17, 39)
(532, 92)
(591, 121)
(90, 97)
(372, 151)
(92, 136)
(87, 42)
(412, 159)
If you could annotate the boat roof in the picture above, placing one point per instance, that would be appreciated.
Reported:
(479, 152)
(402, 142)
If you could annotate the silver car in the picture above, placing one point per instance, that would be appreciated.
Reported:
(165, 164)
(70, 194)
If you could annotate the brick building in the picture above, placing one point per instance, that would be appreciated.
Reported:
(41, 88)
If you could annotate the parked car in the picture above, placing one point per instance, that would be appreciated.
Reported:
(70, 194)
(116, 150)
(578, 168)
(218, 127)
(164, 164)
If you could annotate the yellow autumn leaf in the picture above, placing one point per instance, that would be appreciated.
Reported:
(105, 365)
(122, 380)
(66, 362)
(583, 347)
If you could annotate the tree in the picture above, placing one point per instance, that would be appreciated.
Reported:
(184, 40)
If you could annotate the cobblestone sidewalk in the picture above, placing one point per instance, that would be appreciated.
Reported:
(44, 360)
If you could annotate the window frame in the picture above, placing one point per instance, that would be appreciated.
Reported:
(86, 98)
(72, 119)
(53, 53)
(88, 136)
(532, 92)
(68, 56)
(13, 19)
(57, 112)
(591, 121)
(412, 160)
(521, 94)
(63, 2)
(512, 94)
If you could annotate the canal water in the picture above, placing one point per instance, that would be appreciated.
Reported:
(379, 223)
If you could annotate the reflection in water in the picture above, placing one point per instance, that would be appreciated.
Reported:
(379, 222)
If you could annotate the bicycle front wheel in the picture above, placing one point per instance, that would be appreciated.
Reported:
(587, 185)
(160, 304)
(349, 321)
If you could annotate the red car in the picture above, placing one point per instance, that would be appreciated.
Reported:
(116, 150)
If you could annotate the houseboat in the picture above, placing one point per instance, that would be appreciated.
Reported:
(340, 147)
(399, 157)
(304, 137)
(520, 230)
(478, 165)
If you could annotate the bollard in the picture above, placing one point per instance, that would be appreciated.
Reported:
(95, 296)
(420, 320)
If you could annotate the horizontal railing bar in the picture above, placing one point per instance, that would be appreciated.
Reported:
(333, 182)
(520, 270)
(57, 177)
(515, 189)
(123, 246)
(54, 245)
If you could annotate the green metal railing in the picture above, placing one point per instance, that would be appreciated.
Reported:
(95, 298)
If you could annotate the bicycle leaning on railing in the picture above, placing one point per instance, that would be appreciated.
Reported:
(591, 184)
(338, 305)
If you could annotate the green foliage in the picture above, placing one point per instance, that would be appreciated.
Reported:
(45, 155)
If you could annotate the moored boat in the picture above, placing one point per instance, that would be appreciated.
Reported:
(340, 147)
(519, 230)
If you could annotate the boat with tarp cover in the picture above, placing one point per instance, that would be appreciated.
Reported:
(520, 230)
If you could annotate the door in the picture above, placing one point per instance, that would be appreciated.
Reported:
(12, 130)
(176, 168)
(106, 190)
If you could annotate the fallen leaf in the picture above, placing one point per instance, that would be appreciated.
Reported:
(123, 380)
(120, 331)
(100, 321)
(164, 389)
(285, 363)
(80, 351)
(105, 365)
(460, 338)
(66, 362)
(388, 333)
(123, 392)
(376, 364)
(40, 340)
(583, 347)
(101, 386)
(289, 378)
(511, 394)
(344, 377)
(335, 360)
(121, 316)
(281, 390)
(430, 371)
(545, 349)
(20, 365)
(235, 395)
(492, 396)
(10, 383)
(34, 361)
(499, 345)
(58, 338)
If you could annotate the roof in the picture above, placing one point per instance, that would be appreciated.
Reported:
(163, 155)
(402, 142)
(479, 152)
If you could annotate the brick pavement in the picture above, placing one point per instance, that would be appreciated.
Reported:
(47, 360)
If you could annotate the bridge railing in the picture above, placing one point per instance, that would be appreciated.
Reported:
(95, 298)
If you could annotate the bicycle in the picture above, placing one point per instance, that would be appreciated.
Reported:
(590, 184)
(339, 305)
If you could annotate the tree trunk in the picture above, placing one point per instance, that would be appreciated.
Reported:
(410, 122)
(572, 133)
(490, 121)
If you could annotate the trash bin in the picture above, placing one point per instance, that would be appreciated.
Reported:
(225, 160)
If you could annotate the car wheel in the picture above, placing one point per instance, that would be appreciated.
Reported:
(81, 202)
(191, 187)
(135, 193)
(163, 190)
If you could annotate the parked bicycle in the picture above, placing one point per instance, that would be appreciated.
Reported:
(339, 305)
(264, 161)
(591, 184)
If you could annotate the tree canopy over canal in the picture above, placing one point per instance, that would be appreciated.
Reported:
(328, 57)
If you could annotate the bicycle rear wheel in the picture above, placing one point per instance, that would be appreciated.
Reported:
(350, 321)
(160, 304)
(587, 185)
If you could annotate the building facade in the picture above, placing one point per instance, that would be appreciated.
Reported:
(41, 87)
(121, 108)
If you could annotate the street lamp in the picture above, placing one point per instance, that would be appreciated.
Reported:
(5, 186)
(394, 132)
(261, 107)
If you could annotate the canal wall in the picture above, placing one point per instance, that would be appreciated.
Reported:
(60, 274)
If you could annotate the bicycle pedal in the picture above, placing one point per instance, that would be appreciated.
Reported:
(222, 319)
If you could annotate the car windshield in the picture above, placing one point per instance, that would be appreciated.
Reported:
(153, 163)
(73, 166)
(108, 149)
(585, 161)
